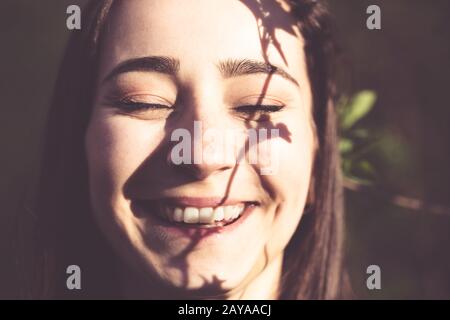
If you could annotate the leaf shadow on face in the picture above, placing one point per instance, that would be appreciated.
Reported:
(156, 163)
(270, 16)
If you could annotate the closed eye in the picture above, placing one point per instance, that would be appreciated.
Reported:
(131, 106)
(258, 108)
(257, 112)
(140, 109)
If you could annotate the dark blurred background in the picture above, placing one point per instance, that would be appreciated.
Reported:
(398, 214)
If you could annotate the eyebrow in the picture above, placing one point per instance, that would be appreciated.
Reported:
(234, 68)
(160, 64)
(228, 68)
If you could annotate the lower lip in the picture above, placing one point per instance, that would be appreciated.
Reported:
(196, 231)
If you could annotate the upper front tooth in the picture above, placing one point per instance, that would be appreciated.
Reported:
(178, 215)
(229, 212)
(191, 215)
(219, 214)
(206, 215)
(237, 211)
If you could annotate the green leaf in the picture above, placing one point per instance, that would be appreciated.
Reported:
(358, 107)
(361, 181)
(360, 133)
(345, 145)
(366, 168)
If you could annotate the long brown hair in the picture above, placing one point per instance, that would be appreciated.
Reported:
(65, 231)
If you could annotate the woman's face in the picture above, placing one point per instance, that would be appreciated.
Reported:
(199, 66)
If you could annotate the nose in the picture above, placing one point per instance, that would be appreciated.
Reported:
(202, 145)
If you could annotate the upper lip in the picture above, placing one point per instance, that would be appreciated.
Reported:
(201, 202)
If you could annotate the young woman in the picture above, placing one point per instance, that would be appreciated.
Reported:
(115, 200)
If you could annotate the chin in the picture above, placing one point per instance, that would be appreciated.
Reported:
(198, 277)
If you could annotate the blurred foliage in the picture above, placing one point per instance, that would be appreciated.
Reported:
(370, 154)
(356, 140)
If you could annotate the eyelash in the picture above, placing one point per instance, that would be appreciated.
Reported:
(262, 108)
(134, 106)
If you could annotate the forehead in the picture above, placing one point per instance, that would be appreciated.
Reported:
(203, 31)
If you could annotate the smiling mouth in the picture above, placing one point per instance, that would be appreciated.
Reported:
(193, 216)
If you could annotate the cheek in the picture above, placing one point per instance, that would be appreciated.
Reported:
(289, 157)
(115, 149)
(290, 182)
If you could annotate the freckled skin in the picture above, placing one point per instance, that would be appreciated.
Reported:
(127, 155)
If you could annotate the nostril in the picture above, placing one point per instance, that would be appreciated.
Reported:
(201, 171)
